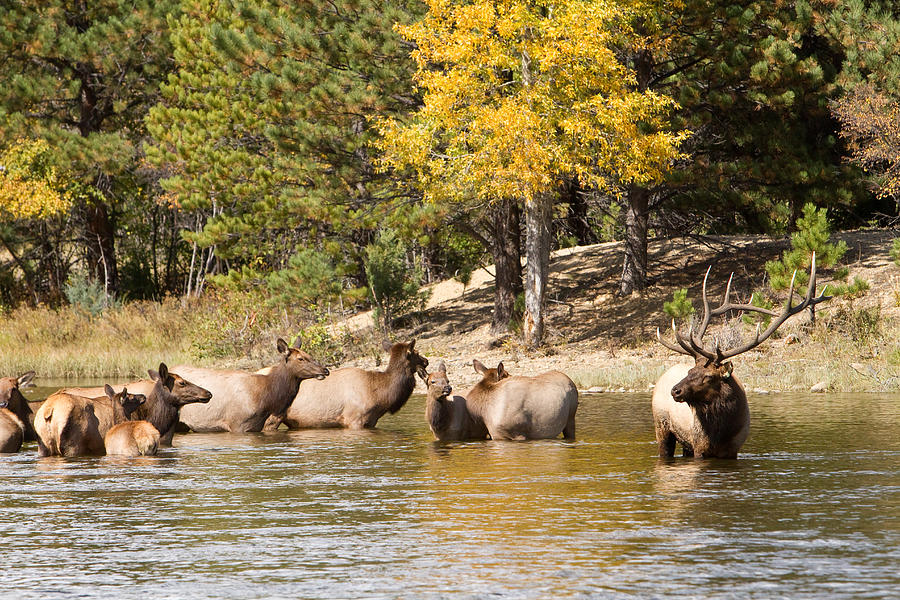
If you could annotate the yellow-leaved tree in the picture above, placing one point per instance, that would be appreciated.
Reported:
(30, 187)
(520, 94)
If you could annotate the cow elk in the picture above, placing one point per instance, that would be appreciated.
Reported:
(704, 406)
(167, 393)
(355, 398)
(243, 402)
(129, 438)
(523, 408)
(449, 417)
(16, 416)
(69, 425)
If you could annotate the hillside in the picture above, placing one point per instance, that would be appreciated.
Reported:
(606, 341)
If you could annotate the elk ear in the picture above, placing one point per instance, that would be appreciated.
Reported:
(109, 392)
(442, 368)
(386, 345)
(297, 342)
(412, 344)
(479, 368)
(501, 372)
(281, 346)
(727, 368)
(24, 379)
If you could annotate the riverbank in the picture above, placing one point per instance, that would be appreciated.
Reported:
(603, 341)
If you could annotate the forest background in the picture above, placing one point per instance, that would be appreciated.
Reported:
(183, 180)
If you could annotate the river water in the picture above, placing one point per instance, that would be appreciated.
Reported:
(811, 509)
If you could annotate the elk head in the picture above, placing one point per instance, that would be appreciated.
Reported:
(128, 402)
(300, 364)
(438, 383)
(490, 375)
(181, 391)
(712, 371)
(9, 388)
(407, 351)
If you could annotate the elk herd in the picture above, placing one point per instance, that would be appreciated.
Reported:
(702, 406)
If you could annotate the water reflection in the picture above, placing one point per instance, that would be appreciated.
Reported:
(809, 510)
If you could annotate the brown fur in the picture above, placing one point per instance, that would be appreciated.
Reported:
(243, 401)
(448, 417)
(11, 397)
(519, 408)
(355, 398)
(12, 431)
(69, 425)
(166, 394)
(703, 407)
(131, 438)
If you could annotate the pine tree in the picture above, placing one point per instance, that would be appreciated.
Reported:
(81, 77)
(753, 81)
(265, 129)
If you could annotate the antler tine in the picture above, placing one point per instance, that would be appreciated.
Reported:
(669, 345)
(698, 349)
(788, 312)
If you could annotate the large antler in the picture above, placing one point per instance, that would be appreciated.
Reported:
(692, 346)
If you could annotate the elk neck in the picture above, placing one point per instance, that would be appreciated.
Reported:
(278, 388)
(393, 386)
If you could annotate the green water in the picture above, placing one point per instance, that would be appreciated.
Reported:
(811, 509)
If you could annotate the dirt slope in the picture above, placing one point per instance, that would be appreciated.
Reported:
(602, 339)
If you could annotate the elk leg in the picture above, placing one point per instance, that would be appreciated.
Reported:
(686, 450)
(569, 430)
(273, 422)
(666, 441)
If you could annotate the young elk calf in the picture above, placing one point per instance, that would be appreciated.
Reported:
(448, 417)
(704, 406)
(129, 438)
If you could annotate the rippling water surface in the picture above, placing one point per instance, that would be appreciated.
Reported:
(811, 509)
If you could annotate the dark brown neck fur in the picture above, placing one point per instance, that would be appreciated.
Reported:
(159, 409)
(721, 418)
(21, 408)
(393, 386)
(280, 388)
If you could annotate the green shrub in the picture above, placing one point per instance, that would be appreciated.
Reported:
(679, 307)
(88, 295)
(394, 283)
(752, 318)
(812, 235)
(895, 251)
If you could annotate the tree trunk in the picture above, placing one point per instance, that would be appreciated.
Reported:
(100, 243)
(538, 214)
(634, 269)
(505, 244)
(577, 214)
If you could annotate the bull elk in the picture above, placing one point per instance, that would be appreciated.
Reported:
(243, 402)
(704, 407)
(520, 407)
(167, 393)
(355, 398)
(70, 425)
